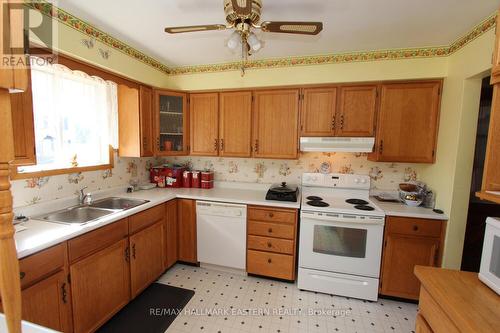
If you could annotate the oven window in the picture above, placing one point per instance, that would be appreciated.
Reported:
(495, 257)
(340, 241)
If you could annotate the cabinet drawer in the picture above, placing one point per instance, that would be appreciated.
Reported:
(41, 264)
(271, 229)
(270, 244)
(97, 239)
(414, 226)
(271, 215)
(280, 266)
(434, 315)
(146, 218)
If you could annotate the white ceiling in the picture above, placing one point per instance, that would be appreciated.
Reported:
(349, 25)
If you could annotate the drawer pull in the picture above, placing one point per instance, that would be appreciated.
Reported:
(64, 293)
(269, 260)
(270, 230)
(269, 244)
(22, 275)
(271, 214)
(415, 228)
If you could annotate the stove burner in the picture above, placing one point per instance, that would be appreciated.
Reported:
(317, 203)
(364, 207)
(357, 201)
(314, 198)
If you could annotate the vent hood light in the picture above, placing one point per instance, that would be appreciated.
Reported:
(347, 145)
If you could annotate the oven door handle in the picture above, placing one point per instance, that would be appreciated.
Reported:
(342, 218)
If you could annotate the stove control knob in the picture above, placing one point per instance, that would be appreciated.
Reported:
(363, 181)
(356, 180)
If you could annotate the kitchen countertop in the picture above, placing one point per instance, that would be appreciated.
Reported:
(40, 235)
(402, 210)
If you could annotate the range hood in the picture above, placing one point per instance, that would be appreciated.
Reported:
(337, 144)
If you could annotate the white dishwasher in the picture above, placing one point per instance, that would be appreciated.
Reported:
(221, 234)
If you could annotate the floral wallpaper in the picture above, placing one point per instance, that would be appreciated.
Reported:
(34, 190)
(385, 176)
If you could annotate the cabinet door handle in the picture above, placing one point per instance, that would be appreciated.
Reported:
(22, 275)
(158, 143)
(144, 143)
(415, 227)
(270, 230)
(221, 144)
(127, 254)
(216, 144)
(269, 260)
(381, 147)
(269, 244)
(64, 293)
(133, 251)
(271, 214)
(342, 121)
(333, 123)
(256, 148)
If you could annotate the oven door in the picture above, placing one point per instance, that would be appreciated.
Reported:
(341, 243)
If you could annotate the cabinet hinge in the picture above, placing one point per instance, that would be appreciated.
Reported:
(68, 278)
(253, 98)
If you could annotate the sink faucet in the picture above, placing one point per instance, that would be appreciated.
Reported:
(84, 198)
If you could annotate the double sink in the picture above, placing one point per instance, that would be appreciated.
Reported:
(82, 214)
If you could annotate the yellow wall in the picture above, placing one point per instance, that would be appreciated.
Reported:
(70, 43)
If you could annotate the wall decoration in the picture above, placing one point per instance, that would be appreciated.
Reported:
(75, 178)
(104, 53)
(36, 182)
(88, 42)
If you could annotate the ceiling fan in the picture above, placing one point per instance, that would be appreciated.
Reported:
(243, 16)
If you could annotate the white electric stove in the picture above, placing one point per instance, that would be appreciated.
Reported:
(341, 233)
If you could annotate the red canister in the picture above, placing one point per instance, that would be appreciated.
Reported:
(207, 175)
(196, 179)
(207, 184)
(186, 178)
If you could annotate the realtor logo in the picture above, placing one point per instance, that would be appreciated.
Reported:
(27, 34)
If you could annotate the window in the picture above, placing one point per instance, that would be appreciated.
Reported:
(75, 117)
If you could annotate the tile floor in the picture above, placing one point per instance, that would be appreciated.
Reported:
(225, 302)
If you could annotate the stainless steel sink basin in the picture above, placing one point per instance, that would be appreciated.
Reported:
(76, 215)
(118, 203)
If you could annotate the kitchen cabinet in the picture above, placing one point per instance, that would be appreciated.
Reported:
(408, 122)
(276, 118)
(147, 262)
(23, 127)
(356, 111)
(135, 121)
(235, 124)
(186, 214)
(490, 188)
(47, 303)
(100, 285)
(271, 242)
(171, 123)
(204, 124)
(409, 242)
(171, 236)
(318, 112)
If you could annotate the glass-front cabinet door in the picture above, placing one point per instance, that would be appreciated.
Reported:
(171, 123)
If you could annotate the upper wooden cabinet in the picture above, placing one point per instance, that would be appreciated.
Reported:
(135, 121)
(356, 111)
(318, 112)
(23, 127)
(235, 124)
(490, 189)
(276, 119)
(204, 124)
(408, 122)
(171, 123)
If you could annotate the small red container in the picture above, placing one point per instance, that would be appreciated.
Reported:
(186, 178)
(156, 176)
(173, 176)
(207, 175)
(196, 179)
(207, 184)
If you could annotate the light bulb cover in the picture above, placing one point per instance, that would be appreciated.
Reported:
(234, 41)
(254, 42)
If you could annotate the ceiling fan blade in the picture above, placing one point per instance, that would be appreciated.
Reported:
(242, 7)
(195, 28)
(290, 27)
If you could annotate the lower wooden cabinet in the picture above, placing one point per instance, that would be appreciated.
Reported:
(171, 256)
(271, 242)
(186, 210)
(409, 242)
(100, 285)
(147, 250)
(47, 303)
